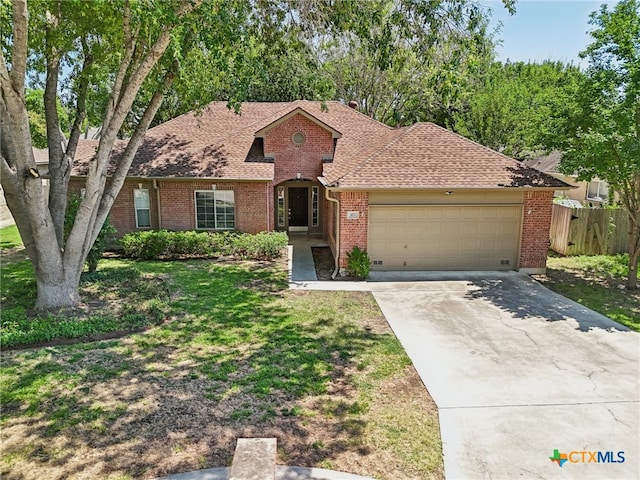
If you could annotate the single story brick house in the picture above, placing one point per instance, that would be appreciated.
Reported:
(418, 198)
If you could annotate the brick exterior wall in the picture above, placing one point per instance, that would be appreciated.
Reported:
(177, 207)
(177, 200)
(291, 159)
(534, 242)
(353, 231)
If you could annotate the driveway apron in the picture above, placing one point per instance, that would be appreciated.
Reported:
(518, 372)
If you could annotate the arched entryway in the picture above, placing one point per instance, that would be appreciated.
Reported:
(298, 206)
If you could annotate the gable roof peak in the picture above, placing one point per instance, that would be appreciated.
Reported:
(297, 110)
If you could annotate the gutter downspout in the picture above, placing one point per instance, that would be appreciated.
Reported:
(157, 189)
(337, 259)
(266, 194)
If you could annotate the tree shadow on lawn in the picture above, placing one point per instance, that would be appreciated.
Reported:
(235, 362)
(525, 298)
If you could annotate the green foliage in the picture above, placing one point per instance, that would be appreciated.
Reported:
(403, 61)
(602, 138)
(261, 246)
(358, 262)
(612, 266)
(163, 244)
(37, 121)
(408, 61)
(107, 233)
(20, 329)
(516, 108)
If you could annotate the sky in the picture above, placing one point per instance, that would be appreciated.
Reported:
(544, 29)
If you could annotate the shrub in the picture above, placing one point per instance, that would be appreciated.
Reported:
(261, 246)
(145, 245)
(358, 262)
(149, 245)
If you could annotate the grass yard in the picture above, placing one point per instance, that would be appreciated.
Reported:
(594, 281)
(9, 237)
(237, 354)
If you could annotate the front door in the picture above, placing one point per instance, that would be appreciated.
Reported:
(298, 207)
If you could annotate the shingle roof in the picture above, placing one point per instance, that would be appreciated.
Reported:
(428, 156)
(217, 143)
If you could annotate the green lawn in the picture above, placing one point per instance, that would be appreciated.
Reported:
(237, 354)
(595, 282)
(9, 237)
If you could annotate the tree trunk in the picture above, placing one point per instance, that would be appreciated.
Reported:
(58, 264)
(55, 295)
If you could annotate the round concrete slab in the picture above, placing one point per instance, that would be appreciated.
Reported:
(283, 472)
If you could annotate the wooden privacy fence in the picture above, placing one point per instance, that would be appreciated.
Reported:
(588, 231)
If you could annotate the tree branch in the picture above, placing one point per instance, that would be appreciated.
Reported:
(129, 42)
(119, 176)
(20, 45)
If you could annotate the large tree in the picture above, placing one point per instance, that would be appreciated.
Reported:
(515, 108)
(415, 62)
(603, 138)
(114, 46)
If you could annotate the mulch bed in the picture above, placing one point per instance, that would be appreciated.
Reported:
(325, 265)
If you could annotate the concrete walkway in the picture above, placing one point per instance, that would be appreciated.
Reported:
(301, 266)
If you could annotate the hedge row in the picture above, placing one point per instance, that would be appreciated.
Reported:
(162, 244)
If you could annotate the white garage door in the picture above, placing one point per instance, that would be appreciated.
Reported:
(444, 237)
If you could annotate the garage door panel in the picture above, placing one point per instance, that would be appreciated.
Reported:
(444, 237)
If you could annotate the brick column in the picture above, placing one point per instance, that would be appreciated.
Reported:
(534, 243)
(353, 231)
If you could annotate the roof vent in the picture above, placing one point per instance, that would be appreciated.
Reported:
(298, 138)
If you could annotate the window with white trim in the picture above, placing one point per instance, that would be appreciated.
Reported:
(215, 209)
(281, 209)
(315, 202)
(141, 205)
(598, 191)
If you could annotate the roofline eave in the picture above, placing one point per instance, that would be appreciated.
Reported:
(494, 188)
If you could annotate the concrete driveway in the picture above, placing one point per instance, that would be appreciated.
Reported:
(518, 372)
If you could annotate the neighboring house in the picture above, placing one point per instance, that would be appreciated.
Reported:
(41, 157)
(417, 198)
(595, 192)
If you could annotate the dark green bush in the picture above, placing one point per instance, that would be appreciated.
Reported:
(358, 262)
(162, 244)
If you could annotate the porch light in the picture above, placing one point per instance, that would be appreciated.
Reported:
(448, 192)
(298, 176)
